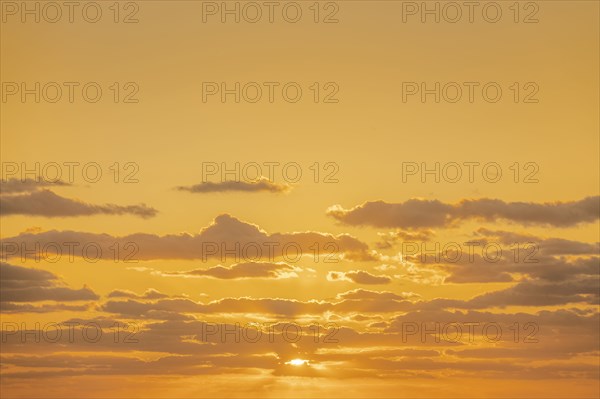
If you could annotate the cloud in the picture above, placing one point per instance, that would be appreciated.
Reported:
(413, 213)
(539, 293)
(149, 294)
(354, 301)
(506, 270)
(12, 186)
(360, 294)
(547, 246)
(390, 239)
(418, 213)
(261, 185)
(226, 238)
(278, 270)
(534, 293)
(48, 204)
(190, 347)
(497, 256)
(359, 277)
(515, 261)
(270, 306)
(21, 284)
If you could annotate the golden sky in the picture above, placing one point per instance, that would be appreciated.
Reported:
(300, 199)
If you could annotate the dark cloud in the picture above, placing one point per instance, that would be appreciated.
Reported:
(13, 307)
(12, 186)
(417, 213)
(390, 239)
(359, 277)
(360, 294)
(185, 348)
(227, 238)
(48, 204)
(261, 185)
(539, 293)
(464, 267)
(241, 271)
(21, 284)
(149, 294)
(413, 213)
(547, 246)
(354, 301)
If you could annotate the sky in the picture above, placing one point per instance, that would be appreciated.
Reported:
(299, 199)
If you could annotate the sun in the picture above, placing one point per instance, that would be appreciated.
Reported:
(297, 362)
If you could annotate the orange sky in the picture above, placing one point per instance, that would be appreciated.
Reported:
(177, 211)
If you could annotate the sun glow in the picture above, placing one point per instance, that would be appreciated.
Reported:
(297, 362)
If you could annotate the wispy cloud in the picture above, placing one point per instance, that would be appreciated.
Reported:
(261, 185)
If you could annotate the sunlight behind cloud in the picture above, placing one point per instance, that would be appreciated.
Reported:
(297, 362)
